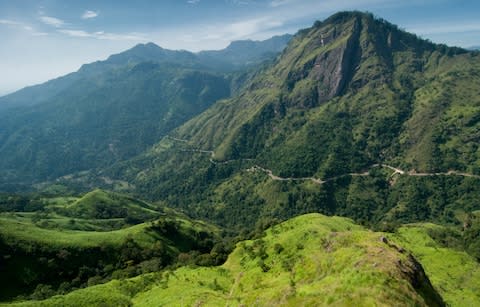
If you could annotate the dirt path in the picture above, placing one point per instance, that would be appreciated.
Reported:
(274, 177)
(366, 173)
(322, 181)
(235, 285)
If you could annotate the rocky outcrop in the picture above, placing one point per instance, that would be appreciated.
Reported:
(413, 271)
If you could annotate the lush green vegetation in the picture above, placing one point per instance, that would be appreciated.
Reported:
(112, 110)
(103, 119)
(312, 114)
(78, 241)
(454, 274)
(311, 259)
(347, 99)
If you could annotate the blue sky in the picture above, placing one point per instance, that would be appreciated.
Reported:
(41, 40)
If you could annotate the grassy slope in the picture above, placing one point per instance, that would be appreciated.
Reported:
(454, 274)
(86, 206)
(56, 230)
(20, 227)
(30, 239)
(308, 260)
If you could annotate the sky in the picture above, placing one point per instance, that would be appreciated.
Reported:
(44, 39)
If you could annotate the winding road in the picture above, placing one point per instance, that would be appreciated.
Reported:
(396, 171)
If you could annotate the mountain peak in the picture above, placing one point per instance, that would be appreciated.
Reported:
(148, 46)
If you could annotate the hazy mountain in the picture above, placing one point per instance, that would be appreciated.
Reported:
(113, 109)
(237, 56)
(245, 52)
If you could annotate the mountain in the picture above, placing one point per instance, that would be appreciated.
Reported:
(474, 48)
(110, 110)
(355, 118)
(50, 90)
(245, 52)
(103, 118)
(237, 56)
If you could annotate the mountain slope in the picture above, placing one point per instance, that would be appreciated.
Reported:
(72, 242)
(99, 70)
(346, 96)
(311, 259)
(102, 120)
(114, 109)
(349, 73)
(237, 56)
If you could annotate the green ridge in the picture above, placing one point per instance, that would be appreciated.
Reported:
(311, 259)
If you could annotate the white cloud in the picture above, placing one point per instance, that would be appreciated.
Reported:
(89, 14)
(243, 29)
(193, 1)
(52, 21)
(275, 3)
(22, 26)
(240, 2)
(104, 35)
(75, 33)
(10, 22)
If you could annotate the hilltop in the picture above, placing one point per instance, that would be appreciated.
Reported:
(311, 259)
(71, 242)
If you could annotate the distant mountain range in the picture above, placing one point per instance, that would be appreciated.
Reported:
(114, 109)
(237, 56)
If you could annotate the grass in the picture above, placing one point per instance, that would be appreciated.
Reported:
(306, 261)
(454, 274)
(21, 229)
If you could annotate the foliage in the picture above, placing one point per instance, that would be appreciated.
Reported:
(46, 253)
(339, 263)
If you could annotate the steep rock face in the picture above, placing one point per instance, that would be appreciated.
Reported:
(330, 69)
(414, 272)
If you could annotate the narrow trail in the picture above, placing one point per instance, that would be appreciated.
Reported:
(396, 171)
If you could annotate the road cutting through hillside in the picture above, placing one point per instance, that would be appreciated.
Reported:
(396, 171)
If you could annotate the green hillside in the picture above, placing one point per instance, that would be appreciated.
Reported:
(115, 109)
(311, 259)
(346, 96)
(75, 242)
(454, 273)
(102, 118)
(100, 204)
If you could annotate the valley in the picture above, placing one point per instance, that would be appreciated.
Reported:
(337, 166)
